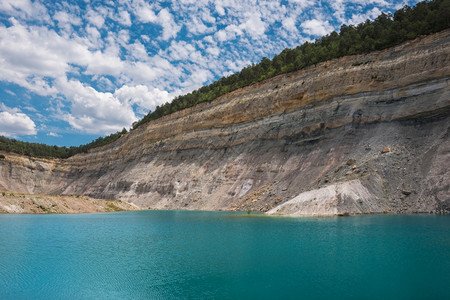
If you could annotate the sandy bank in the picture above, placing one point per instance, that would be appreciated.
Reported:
(18, 203)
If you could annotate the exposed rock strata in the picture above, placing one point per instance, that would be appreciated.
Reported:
(260, 146)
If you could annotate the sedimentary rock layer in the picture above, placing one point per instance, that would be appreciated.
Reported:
(381, 118)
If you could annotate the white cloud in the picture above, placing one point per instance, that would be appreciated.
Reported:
(379, 2)
(64, 17)
(94, 36)
(181, 50)
(207, 16)
(103, 63)
(198, 77)
(142, 96)
(215, 51)
(219, 9)
(124, 18)
(53, 134)
(339, 10)
(137, 51)
(359, 18)
(25, 9)
(95, 112)
(32, 109)
(143, 72)
(12, 110)
(31, 63)
(229, 33)
(170, 28)
(254, 26)
(14, 124)
(222, 35)
(316, 27)
(95, 18)
(10, 92)
(144, 12)
(66, 21)
(123, 37)
(303, 3)
(198, 27)
(289, 24)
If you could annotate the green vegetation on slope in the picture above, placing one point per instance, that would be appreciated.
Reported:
(42, 150)
(386, 31)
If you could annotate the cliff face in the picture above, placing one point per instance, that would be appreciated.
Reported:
(380, 120)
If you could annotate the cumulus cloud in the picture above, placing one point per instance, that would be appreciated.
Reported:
(198, 27)
(29, 62)
(181, 50)
(95, 18)
(214, 51)
(104, 63)
(25, 9)
(254, 26)
(359, 18)
(340, 8)
(303, 3)
(37, 64)
(316, 27)
(124, 18)
(164, 18)
(198, 77)
(51, 133)
(170, 28)
(142, 95)
(14, 124)
(219, 8)
(66, 21)
(95, 112)
(289, 24)
(144, 12)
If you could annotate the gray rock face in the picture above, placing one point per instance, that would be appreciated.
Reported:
(380, 120)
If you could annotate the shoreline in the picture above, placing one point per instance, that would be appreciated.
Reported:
(22, 203)
(96, 206)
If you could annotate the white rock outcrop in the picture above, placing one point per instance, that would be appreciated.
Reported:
(343, 198)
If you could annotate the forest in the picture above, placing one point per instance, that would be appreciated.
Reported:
(385, 31)
(46, 151)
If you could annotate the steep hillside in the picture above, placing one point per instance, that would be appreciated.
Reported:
(378, 121)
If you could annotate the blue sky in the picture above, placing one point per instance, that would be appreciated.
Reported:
(71, 71)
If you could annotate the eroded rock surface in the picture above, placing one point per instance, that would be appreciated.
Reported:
(343, 198)
(387, 113)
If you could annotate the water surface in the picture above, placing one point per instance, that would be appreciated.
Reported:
(174, 254)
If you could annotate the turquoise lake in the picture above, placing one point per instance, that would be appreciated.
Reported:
(222, 255)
